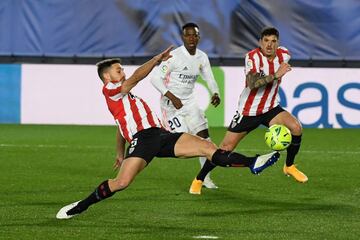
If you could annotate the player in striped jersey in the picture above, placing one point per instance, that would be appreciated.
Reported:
(139, 126)
(175, 79)
(259, 101)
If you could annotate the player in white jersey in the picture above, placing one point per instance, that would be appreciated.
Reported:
(259, 101)
(140, 127)
(175, 79)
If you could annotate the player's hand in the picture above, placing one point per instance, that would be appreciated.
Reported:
(215, 100)
(117, 163)
(165, 55)
(283, 69)
(176, 102)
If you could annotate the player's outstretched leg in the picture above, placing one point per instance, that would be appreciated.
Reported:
(62, 214)
(101, 192)
(264, 161)
(129, 169)
(232, 159)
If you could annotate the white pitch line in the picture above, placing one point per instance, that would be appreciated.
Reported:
(4, 145)
(206, 237)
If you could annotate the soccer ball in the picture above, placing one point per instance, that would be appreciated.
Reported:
(278, 137)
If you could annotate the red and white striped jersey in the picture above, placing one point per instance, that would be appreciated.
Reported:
(258, 101)
(130, 112)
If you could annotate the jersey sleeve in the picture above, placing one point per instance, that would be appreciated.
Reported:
(159, 76)
(208, 76)
(112, 90)
(286, 54)
(250, 64)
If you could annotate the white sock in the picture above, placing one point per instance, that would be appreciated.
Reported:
(202, 160)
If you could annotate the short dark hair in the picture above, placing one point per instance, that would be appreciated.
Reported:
(103, 65)
(269, 31)
(189, 24)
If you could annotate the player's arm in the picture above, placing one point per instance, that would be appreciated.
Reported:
(120, 150)
(208, 76)
(144, 70)
(256, 80)
(158, 76)
(157, 80)
(174, 99)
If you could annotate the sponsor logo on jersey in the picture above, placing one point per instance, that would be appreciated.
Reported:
(185, 68)
(187, 78)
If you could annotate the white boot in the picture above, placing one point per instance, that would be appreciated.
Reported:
(208, 183)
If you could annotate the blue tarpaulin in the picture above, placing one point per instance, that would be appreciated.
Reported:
(323, 29)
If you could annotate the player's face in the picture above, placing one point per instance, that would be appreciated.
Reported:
(116, 73)
(191, 37)
(268, 45)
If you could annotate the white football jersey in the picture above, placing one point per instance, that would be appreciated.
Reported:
(179, 73)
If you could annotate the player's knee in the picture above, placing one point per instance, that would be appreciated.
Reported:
(208, 147)
(227, 146)
(120, 184)
(296, 129)
(210, 144)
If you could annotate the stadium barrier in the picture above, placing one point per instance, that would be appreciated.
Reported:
(71, 94)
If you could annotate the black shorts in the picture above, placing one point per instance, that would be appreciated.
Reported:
(152, 142)
(242, 123)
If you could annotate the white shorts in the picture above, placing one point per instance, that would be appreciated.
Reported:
(190, 118)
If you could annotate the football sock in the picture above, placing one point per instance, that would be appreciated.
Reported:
(293, 149)
(207, 167)
(101, 192)
(231, 159)
(202, 161)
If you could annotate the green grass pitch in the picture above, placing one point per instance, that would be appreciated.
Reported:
(46, 167)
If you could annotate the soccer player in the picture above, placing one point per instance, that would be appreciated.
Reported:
(259, 101)
(175, 80)
(139, 125)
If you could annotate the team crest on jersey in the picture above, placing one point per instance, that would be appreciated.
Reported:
(249, 64)
(200, 67)
(131, 150)
(164, 68)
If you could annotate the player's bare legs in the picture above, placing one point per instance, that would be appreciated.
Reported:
(287, 119)
(128, 171)
(231, 140)
(190, 146)
(295, 128)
